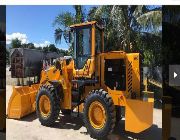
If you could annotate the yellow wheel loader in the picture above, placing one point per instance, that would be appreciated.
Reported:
(94, 82)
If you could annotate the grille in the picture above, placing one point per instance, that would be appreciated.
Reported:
(129, 77)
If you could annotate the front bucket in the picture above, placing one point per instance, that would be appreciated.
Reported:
(22, 101)
(138, 115)
(2, 109)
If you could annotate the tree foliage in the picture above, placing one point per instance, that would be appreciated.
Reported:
(132, 29)
(128, 28)
(16, 43)
(64, 20)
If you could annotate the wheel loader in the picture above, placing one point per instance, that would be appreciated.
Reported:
(96, 83)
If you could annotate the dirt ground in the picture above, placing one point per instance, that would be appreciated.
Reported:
(70, 127)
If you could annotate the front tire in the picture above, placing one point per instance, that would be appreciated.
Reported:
(47, 105)
(99, 114)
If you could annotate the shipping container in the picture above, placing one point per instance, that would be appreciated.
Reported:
(28, 62)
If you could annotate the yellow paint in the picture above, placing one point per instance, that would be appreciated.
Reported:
(150, 99)
(138, 115)
(133, 58)
(97, 115)
(117, 97)
(83, 24)
(87, 70)
(44, 106)
(22, 101)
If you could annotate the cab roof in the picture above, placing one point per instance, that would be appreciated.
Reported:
(83, 24)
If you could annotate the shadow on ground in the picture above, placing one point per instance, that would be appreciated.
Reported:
(75, 123)
(31, 117)
(153, 133)
(69, 122)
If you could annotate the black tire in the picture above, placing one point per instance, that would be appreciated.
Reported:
(102, 97)
(118, 114)
(66, 111)
(49, 91)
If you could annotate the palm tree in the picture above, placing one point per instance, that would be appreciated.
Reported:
(126, 21)
(127, 27)
(79, 16)
(58, 35)
(64, 20)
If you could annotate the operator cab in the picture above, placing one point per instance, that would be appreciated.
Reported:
(87, 41)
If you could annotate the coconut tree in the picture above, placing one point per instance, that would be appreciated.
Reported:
(128, 28)
(122, 23)
(64, 20)
(125, 26)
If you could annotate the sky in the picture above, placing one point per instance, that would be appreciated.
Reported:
(34, 24)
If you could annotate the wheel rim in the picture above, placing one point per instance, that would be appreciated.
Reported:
(97, 115)
(44, 106)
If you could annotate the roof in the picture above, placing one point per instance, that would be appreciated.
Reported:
(52, 55)
(23, 49)
(83, 24)
(29, 52)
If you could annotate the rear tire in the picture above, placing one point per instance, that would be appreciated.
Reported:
(105, 103)
(47, 118)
